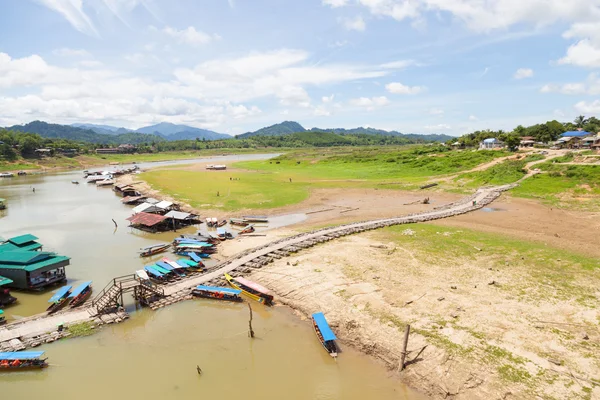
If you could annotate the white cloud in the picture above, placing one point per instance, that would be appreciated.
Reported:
(355, 24)
(399, 88)
(588, 108)
(523, 73)
(400, 64)
(436, 111)
(89, 63)
(327, 99)
(438, 127)
(335, 3)
(72, 10)
(582, 54)
(473, 118)
(370, 103)
(66, 52)
(292, 95)
(591, 86)
(189, 35)
(321, 111)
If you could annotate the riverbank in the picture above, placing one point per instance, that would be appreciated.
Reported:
(497, 317)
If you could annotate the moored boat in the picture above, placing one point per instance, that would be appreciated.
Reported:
(75, 182)
(214, 221)
(248, 229)
(22, 360)
(251, 289)
(154, 249)
(2, 318)
(256, 218)
(217, 293)
(59, 299)
(325, 334)
(6, 175)
(81, 294)
(105, 182)
(2, 205)
(238, 222)
(222, 223)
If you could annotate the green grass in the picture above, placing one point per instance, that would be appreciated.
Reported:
(246, 191)
(513, 374)
(503, 173)
(371, 164)
(171, 155)
(18, 166)
(81, 329)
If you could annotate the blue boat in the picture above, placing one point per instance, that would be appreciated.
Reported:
(217, 293)
(325, 334)
(156, 275)
(60, 298)
(81, 294)
(22, 360)
(169, 268)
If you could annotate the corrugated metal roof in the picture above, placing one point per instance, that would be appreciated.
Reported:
(576, 134)
(23, 257)
(152, 200)
(11, 247)
(146, 219)
(23, 239)
(491, 140)
(5, 281)
(37, 265)
(178, 215)
(164, 204)
(144, 207)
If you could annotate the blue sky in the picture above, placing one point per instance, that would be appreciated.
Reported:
(443, 66)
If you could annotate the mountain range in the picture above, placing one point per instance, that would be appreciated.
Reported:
(107, 134)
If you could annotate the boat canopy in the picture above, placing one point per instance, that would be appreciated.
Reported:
(79, 289)
(323, 326)
(60, 293)
(194, 257)
(142, 274)
(252, 285)
(1, 312)
(153, 271)
(189, 263)
(155, 246)
(21, 355)
(164, 265)
(216, 289)
(5, 281)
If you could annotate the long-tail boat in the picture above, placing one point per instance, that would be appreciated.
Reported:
(256, 218)
(81, 294)
(154, 249)
(2, 318)
(22, 360)
(218, 293)
(251, 289)
(155, 276)
(248, 229)
(325, 334)
(59, 300)
(167, 272)
(238, 221)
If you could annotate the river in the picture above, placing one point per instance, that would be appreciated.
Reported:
(154, 355)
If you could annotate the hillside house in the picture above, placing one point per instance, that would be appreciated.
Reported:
(491, 144)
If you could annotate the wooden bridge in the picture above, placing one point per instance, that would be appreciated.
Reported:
(111, 297)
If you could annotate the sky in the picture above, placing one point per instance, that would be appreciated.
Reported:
(232, 66)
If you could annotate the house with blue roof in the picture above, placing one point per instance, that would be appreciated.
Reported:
(491, 144)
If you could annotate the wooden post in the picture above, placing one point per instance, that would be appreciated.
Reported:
(250, 330)
(404, 345)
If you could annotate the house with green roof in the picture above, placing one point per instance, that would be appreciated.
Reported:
(23, 242)
(32, 270)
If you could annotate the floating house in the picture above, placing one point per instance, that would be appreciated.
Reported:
(126, 190)
(26, 242)
(178, 219)
(5, 297)
(148, 222)
(32, 270)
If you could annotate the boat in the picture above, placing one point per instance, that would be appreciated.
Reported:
(6, 175)
(251, 289)
(208, 222)
(154, 275)
(81, 294)
(2, 318)
(222, 223)
(75, 182)
(256, 218)
(59, 300)
(154, 249)
(143, 275)
(2, 205)
(22, 360)
(248, 229)
(105, 182)
(217, 293)
(21, 173)
(238, 222)
(325, 334)
(214, 221)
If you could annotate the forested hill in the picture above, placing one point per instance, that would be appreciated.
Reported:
(56, 131)
(291, 127)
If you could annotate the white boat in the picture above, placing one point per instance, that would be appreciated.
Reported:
(6, 175)
(105, 182)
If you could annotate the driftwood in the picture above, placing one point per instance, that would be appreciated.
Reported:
(428, 186)
(319, 211)
(250, 330)
(350, 209)
(404, 345)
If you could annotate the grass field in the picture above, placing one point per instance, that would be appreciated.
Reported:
(245, 191)
(18, 166)
(503, 173)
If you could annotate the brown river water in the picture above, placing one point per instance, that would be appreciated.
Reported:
(154, 354)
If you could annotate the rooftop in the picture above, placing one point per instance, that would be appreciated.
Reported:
(5, 281)
(12, 247)
(146, 219)
(18, 240)
(576, 134)
(36, 265)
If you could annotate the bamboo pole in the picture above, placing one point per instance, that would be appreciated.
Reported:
(250, 330)
(404, 345)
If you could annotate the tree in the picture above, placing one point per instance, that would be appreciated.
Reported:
(512, 141)
(580, 121)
